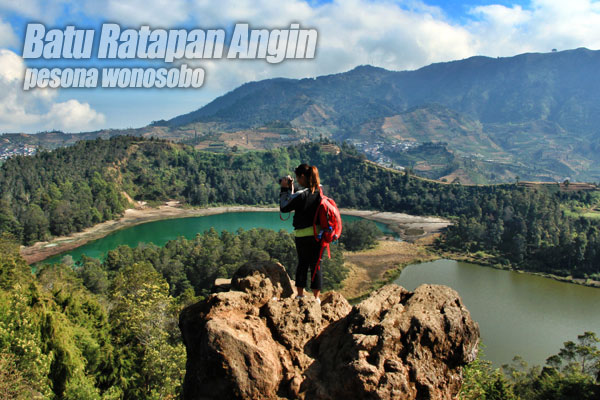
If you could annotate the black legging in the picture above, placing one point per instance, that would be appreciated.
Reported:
(308, 254)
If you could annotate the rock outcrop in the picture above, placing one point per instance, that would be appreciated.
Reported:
(258, 342)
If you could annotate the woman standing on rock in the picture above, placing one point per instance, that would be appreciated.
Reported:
(304, 203)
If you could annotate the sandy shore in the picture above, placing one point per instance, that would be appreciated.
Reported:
(135, 216)
(409, 227)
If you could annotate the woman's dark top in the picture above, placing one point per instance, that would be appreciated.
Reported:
(303, 202)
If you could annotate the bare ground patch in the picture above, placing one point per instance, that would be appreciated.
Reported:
(371, 268)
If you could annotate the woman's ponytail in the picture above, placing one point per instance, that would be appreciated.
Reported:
(314, 181)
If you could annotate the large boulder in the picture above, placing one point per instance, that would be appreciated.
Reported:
(258, 342)
(262, 279)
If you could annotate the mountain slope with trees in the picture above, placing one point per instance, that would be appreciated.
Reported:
(560, 87)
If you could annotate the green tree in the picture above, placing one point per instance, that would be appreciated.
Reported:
(570, 374)
(92, 274)
(144, 323)
(359, 235)
(483, 382)
(13, 384)
(35, 224)
(581, 357)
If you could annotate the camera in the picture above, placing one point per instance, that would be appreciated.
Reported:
(287, 179)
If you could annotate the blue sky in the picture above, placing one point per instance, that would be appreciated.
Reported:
(398, 35)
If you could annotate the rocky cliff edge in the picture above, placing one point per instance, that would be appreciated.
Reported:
(256, 341)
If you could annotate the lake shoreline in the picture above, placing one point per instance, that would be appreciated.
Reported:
(131, 217)
(411, 228)
(398, 222)
(484, 262)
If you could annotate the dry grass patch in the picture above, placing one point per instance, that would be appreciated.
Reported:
(370, 268)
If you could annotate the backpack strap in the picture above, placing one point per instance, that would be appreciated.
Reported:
(317, 214)
(315, 223)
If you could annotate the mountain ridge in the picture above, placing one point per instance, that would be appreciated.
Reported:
(518, 107)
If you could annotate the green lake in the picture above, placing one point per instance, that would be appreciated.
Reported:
(518, 314)
(160, 232)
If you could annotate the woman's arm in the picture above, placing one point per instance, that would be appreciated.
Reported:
(288, 201)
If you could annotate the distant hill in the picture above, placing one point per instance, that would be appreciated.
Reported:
(534, 116)
(561, 87)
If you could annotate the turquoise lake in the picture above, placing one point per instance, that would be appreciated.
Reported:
(160, 232)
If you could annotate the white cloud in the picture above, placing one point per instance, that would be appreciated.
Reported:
(7, 35)
(41, 10)
(351, 32)
(394, 34)
(361, 31)
(546, 24)
(158, 13)
(37, 110)
(502, 15)
(28, 8)
(11, 66)
(259, 13)
(72, 115)
(387, 35)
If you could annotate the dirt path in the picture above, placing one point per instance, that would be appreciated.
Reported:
(401, 223)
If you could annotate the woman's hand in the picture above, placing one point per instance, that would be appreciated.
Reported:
(286, 182)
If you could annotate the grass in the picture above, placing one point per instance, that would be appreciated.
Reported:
(578, 209)
(577, 212)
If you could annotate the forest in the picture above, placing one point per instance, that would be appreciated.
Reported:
(58, 340)
(65, 190)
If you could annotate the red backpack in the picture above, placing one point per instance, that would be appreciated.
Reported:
(328, 217)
